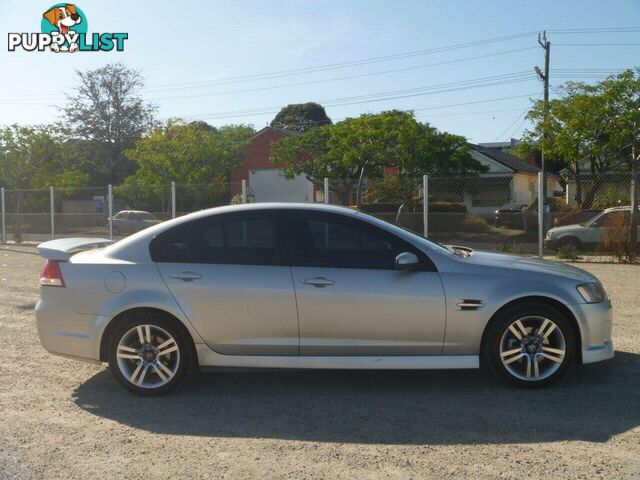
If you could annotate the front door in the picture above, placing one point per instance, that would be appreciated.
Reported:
(351, 300)
(224, 273)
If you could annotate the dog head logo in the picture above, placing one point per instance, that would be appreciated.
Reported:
(67, 20)
(63, 17)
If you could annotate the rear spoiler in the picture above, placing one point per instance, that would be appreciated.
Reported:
(63, 248)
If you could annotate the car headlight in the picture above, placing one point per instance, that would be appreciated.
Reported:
(550, 234)
(592, 292)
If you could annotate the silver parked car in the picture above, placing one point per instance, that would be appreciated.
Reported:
(131, 221)
(311, 286)
(591, 233)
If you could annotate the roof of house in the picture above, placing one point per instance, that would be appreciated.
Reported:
(510, 161)
(268, 128)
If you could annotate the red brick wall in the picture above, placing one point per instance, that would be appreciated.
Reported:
(255, 156)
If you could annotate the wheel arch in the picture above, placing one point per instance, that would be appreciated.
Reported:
(571, 238)
(113, 323)
(551, 302)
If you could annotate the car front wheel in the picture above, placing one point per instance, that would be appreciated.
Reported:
(529, 346)
(148, 355)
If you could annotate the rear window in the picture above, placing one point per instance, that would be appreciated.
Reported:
(237, 239)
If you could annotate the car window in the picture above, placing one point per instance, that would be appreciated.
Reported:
(239, 238)
(172, 246)
(612, 219)
(144, 216)
(317, 239)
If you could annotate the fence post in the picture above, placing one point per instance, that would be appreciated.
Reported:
(173, 199)
(52, 208)
(244, 191)
(326, 190)
(4, 227)
(425, 204)
(110, 209)
(540, 212)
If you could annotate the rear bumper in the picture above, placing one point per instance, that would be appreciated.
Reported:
(596, 326)
(64, 332)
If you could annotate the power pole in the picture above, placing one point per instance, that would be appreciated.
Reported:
(546, 45)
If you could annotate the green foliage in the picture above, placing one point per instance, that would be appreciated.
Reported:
(185, 153)
(568, 252)
(301, 117)
(610, 198)
(359, 148)
(38, 157)
(591, 128)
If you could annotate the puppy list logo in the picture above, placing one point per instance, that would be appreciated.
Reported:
(64, 29)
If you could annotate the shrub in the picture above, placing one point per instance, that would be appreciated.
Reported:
(475, 223)
(615, 240)
(506, 245)
(568, 252)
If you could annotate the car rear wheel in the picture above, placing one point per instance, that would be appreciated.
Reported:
(529, 346)
(148, 354)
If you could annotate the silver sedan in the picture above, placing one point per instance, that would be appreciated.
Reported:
(311, 286)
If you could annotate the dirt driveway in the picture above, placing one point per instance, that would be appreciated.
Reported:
(63, 419)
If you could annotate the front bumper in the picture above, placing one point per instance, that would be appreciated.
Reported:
(596, 327)
(550, 244)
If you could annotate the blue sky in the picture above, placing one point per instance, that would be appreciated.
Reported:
(178, 44)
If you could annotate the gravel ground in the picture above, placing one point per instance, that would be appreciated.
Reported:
(64, 419)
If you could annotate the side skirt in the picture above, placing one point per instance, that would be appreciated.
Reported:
(209, 358)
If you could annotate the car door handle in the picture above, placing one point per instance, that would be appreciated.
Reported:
(187, 276)
(318, 282)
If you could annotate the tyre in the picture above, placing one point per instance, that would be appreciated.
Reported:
(570, 242)
(149, 354)
(529, 345)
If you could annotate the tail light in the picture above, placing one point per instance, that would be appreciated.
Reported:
(51, 276)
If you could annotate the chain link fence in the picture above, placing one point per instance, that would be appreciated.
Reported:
(493, 212)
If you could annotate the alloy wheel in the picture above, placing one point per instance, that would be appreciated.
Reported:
(148, 356)
(532, 348)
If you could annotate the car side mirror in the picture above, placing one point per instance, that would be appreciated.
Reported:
(407, 261)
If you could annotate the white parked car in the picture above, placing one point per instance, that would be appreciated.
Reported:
(588, 234)
(132, 221)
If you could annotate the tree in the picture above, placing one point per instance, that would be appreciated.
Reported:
(106, 108)
(301, 117)
(359, 148)
(578, 128)
(621, 94)
(36, 157)
(188, 154)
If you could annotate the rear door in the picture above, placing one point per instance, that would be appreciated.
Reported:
(351, 300)
(225, 273)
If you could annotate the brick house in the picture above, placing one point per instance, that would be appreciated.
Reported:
(265, 181)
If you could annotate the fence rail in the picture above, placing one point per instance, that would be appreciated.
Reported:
(495, 212)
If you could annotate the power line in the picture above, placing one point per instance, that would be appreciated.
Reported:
(595, 44)
(351, 63)
(392, 95)
(524, 112)
(348, 77)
